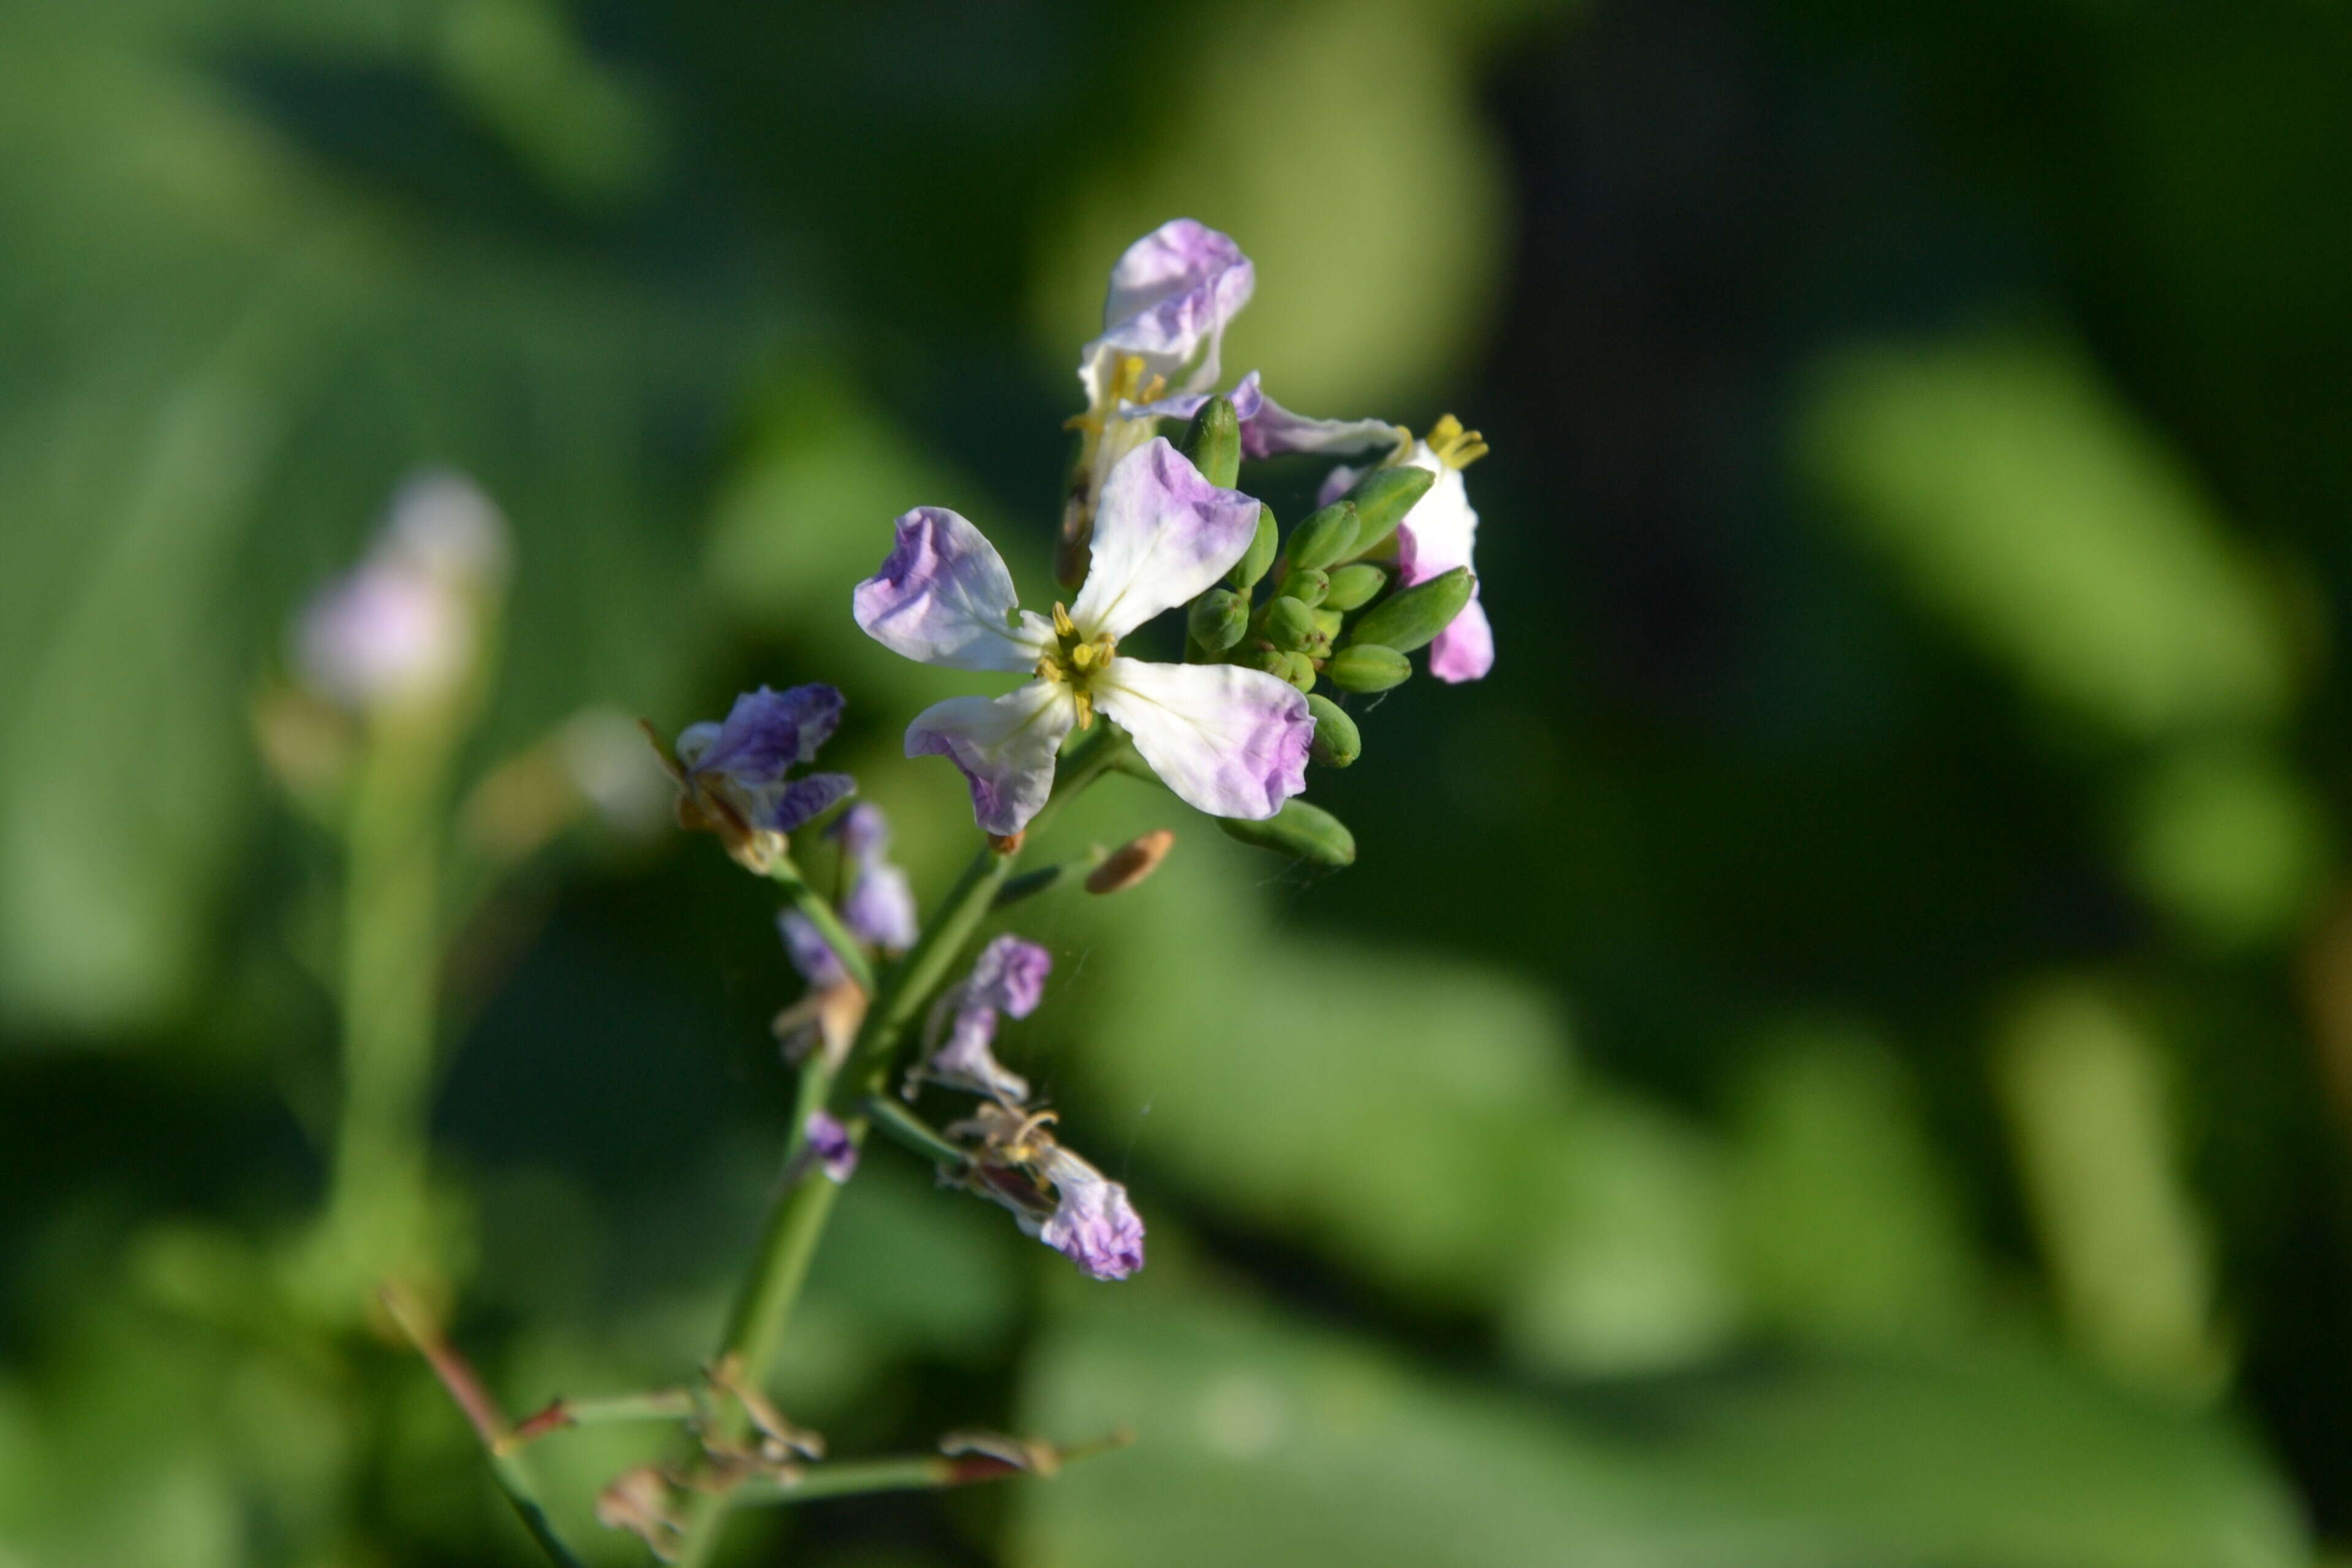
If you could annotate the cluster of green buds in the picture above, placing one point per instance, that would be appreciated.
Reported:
(1334, 615)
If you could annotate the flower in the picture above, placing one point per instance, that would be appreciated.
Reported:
(1229, 740)
(830, 1014)
(1270, 430)
(829, 1140)
(1093, 1225)
(732, 780)
(1171, 294)
(880, 905)
(1009, 976)
(1435, 537)
(404, 627)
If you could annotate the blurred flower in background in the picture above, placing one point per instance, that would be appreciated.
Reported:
(1844, 1059)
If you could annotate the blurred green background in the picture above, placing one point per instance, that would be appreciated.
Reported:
(1839, 1053)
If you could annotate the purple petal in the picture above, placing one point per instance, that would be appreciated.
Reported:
(1273, 430)
(1163, 535)
(1174, 289)
(862, 831)
(880, 907)
(966, 1062)
(810, 953)
(1010, 974)
(385, 633)
(1464, 651)
(943, 596)
(783, 810)
(1230, 741)
(1093, 1225)
(1005, 747)
(765, 733)
(1245, 397)
(829, 1140)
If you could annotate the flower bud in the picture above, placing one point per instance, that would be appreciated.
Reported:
(1382, 498)
(1132, 861)
(1260, 555)
(1410, 619)
(1367, 668)
(1327, 623)
(1213, 443)
(1296, 668)
(1337, 741)
(1217, 619)
(1287, 622)
(1305, 585)
(1302, 831)
(1326, 537)
(1353, 588)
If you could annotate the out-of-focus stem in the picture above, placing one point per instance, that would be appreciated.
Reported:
(813, 908)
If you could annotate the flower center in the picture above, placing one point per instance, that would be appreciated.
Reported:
(1454, 446)
(1075, 662)
(1128, 385)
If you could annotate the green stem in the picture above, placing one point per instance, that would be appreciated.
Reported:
(755, 1329)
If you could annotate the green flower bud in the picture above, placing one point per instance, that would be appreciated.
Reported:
(1368, 667)
(1337, 741)
(1272, 660)
(1353, 588)
(1214, 442)
(1260, 555)
(1287, 622)
(1408, 620)
(1382, 498)
(1327, 623)
(1298, 669)
(1326, 537)
(1302, 831)
(1306, 585)
(1217, 619)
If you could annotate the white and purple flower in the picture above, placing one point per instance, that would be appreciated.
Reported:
(1009, 976)
(1437, 535)
(1229, 740)
(1093, 1224)
(734, 777)
(879, 908)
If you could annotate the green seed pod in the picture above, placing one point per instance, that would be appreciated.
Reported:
(1326, 537)
(1306, 585)
(1217, 619)
(1260, 555)
(1299, 830)
(1383, 497)
(1337, 741)
(1353, 588)
(1408, 620)
(1287, 622)
(1368, 667)
(1214, 442)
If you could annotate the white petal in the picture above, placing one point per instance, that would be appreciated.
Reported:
(1005, 747)
(1231, 741)
(944, 597)
(1163, 534)
(1438, 534)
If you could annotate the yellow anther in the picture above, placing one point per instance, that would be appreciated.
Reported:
(1083, 655)
(1086, 704)
(1062, 626)
(1454, 446)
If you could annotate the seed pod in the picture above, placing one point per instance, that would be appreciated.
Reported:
(1217, 619)
(1260, 554)
(1213, 443)
(1299, 830)
(1353, 588)
(1367, 668)
(1286, 624)
(1306, 585)
(1326, 537)
(1337, 743)
(1382, 498)
(1408, 620)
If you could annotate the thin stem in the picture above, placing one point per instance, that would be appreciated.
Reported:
(813, 908)
(562, 1414)
(902, 1126)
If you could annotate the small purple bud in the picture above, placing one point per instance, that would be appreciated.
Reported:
(880, 908)
(1009, 975)
(862, 831)
(810, 953)
(1093, 1225)
(828, 1140)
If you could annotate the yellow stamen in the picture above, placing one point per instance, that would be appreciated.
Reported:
(1456, 448)
(1062, 626)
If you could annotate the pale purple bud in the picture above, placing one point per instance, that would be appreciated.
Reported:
(829, 1140)
(386, 634)
(880, 907)
(1093, 1224)
(862, 831)
(810, 953)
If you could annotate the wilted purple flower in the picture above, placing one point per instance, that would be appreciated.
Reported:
(403, 626)
(733, 777)
(880, 905)
(829, 1140)
(1229, 740)
(1093, 1225)
(1437, 535)
(1009, 976)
